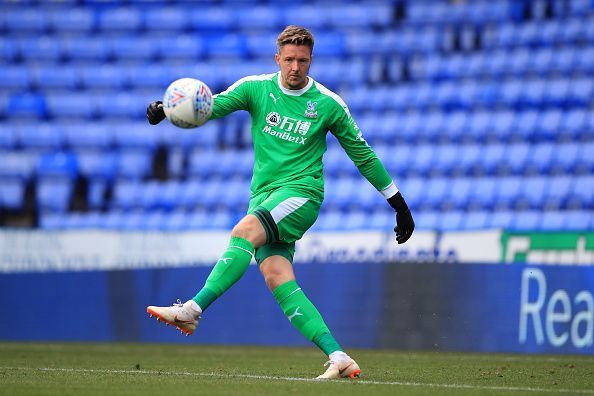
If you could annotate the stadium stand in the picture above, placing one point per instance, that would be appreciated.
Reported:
(482, 111)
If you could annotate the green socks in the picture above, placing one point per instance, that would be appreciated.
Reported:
(228, 270)
(305, 317)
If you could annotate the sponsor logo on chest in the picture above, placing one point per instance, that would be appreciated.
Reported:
(286, 128)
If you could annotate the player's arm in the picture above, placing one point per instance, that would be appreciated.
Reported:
(351, 139)
(234, 98)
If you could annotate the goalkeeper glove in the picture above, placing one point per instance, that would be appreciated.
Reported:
(155, 113)
(405, 224)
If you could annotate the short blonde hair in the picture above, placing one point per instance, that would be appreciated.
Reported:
(295, 35)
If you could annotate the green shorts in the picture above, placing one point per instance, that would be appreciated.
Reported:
(285, 214)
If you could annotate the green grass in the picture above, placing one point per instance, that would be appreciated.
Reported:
(148, 369)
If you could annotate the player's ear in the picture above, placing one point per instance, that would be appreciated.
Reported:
(277, 58)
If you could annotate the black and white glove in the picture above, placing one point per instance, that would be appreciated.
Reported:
(155, 113)
(405, 224)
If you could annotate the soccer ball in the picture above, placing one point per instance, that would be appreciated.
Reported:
(187, 103)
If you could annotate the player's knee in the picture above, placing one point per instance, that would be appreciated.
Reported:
(250, 229)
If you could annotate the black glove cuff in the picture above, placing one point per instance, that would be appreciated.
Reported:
(396, 201)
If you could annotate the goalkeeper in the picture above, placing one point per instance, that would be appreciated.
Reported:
(291, 114)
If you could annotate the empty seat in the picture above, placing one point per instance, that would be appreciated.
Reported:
(87, 135)
(552, 221)
(528, 220)
(134, 164)
(12, 193)
(43, 135)
(73, 19)
(17, 164)
(54, 194)
(174, 19)
(128, 19)
(475, 220)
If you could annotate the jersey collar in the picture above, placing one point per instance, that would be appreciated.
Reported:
(294, 92)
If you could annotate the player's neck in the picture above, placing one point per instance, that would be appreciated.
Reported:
(294, 91)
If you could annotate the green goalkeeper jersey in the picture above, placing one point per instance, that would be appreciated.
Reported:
(289, 133)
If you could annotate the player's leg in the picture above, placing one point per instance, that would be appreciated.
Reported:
(245, 237)
(286, 215)
(278, 273)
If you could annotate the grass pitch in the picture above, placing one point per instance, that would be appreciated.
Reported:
(148, 369)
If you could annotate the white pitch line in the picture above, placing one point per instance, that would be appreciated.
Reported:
(297, 379)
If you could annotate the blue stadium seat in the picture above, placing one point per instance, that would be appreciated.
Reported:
(209, 19)
(549, 124)
(26, 105)
(581, 91)
(516, 157)
(87, 135)
(128, 19)
(574, 123)
(98, 164)
(63, 165)
(527, 220)
(469, 157)
(540, 158)
(483, 193)
(339, 192)
(348, 16)
(25, 20)
(450, 221)
(355, 220)
(492, 157)
(17, 164)
(556, 94)
(15, 77)
(75, 19)
(427, 220)
(447, 159)
(259, 17)
(475, 220)
(413, 188)
(174, 19)
(85, 49)
(40, 49)
(585, 159)
(40, 135)
(422, 159)
(508, 189)
(54, 194)
(102, 76)
(329, 220)
(500, 126)
(436, 189)
(534, 191)
(8, 136)
(134, 163)
(380, 220)
(54, 77)
(134, 48)
(565, 158)
(126, 194)
(121, 105)
(96, 193)
(552, 221)
(330, 44)
(135, 135)
(578, 220)
(12, 193)
(184, 47)
(226, 46)
(306, 15)
(581, 194)
(501, 219)
(458, 194)
(72, 105)
(557, 192)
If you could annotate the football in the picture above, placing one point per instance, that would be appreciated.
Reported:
(187, 103)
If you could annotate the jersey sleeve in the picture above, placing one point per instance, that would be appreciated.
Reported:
(236, 97)
(351, 139)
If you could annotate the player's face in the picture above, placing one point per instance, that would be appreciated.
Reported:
(294, 62)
